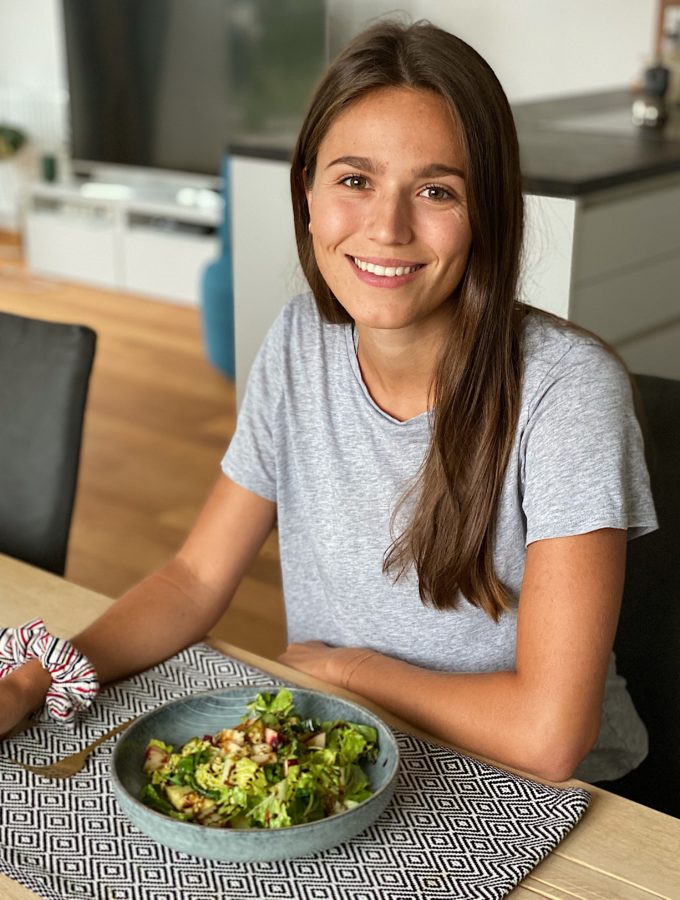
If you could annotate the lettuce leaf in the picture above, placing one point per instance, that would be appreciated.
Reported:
(301, 770)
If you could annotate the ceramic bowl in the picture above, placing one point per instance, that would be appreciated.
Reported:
(206, 713)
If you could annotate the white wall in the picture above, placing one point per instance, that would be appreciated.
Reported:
(347, 17)
(32, 93)
(549, 48)
(30, 44)
(538, 48)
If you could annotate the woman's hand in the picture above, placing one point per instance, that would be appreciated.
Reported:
(21, 692)
(335, 665)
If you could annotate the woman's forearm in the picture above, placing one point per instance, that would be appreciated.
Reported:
(497, 715)
(178, 604)
(164, 613)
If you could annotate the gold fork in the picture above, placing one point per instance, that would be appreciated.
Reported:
(71, 765)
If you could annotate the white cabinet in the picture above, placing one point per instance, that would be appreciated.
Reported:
(627, 272)
(164, 263)
(145, 240)
(611, 262)
(78, 243)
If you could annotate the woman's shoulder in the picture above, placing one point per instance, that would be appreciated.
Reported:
(547, 338)
(551, 344)
(559, 356)
(301, 345)
(293, 329)
(302, 309)
(300, 321)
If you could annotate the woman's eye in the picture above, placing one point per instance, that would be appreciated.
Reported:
(436, 192)
(358, 182)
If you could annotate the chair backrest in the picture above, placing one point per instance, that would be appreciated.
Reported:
(44, 376)
(647, 643)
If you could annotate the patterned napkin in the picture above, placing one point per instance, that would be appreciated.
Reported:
(456, 828)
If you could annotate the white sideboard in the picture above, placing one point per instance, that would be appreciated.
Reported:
(609, 261)
(148, 240)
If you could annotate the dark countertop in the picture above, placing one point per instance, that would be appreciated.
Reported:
(570, 146)
(578, 145)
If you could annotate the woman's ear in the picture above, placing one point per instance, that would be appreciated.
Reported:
(308, 194)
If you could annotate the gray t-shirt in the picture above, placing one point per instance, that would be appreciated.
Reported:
(310, 437)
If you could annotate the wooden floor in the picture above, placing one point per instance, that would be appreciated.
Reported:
(158, 420)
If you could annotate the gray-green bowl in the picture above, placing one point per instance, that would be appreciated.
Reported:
(207, 713)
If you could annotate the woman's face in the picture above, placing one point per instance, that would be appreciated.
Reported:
(388, 209)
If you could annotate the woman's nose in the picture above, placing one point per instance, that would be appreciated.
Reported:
(389, 220)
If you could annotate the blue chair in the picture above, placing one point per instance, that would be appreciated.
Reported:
(217, 294)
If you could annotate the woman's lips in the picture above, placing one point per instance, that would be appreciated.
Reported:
(384, 272)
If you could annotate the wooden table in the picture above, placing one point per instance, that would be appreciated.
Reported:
(619, 851)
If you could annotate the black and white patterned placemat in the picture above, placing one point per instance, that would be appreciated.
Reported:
(456, 828)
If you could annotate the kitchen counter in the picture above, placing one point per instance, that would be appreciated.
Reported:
(579, 145)
(570, 146)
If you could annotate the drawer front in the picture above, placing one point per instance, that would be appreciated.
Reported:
(631, 302)
(166, 266)
(72, 248)
(622, 233)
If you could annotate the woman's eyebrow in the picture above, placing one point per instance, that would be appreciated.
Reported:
(357, 162)
(434, 170)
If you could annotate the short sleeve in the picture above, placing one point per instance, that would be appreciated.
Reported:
(583, 463)
(250, 459)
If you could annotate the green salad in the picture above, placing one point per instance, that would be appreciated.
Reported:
(273, 770)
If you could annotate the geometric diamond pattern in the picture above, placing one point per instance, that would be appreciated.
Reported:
(456, 827)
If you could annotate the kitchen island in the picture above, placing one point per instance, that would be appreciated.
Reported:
(603, 223)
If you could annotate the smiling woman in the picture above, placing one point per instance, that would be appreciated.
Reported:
(365, 209)
(414, 105)
(454, 476)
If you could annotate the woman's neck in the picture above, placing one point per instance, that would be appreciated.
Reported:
(398, 368)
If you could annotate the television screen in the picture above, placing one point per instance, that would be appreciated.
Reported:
(148, 83)
(277, 55)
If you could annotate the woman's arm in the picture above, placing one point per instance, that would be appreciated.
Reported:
(542, 718)
(168, 610)
(178, 604)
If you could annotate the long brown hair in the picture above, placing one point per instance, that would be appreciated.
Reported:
(451, 507)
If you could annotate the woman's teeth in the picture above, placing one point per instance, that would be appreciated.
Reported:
(386, 271)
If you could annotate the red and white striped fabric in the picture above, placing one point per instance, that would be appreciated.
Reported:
(74, 679)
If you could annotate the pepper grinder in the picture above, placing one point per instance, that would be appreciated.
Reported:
(649, 109)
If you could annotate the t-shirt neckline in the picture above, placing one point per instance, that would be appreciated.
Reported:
(352, 343)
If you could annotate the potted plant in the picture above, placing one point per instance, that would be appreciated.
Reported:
(11, 140)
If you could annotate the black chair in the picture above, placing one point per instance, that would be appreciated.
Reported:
(44, 375)
(647, 643)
